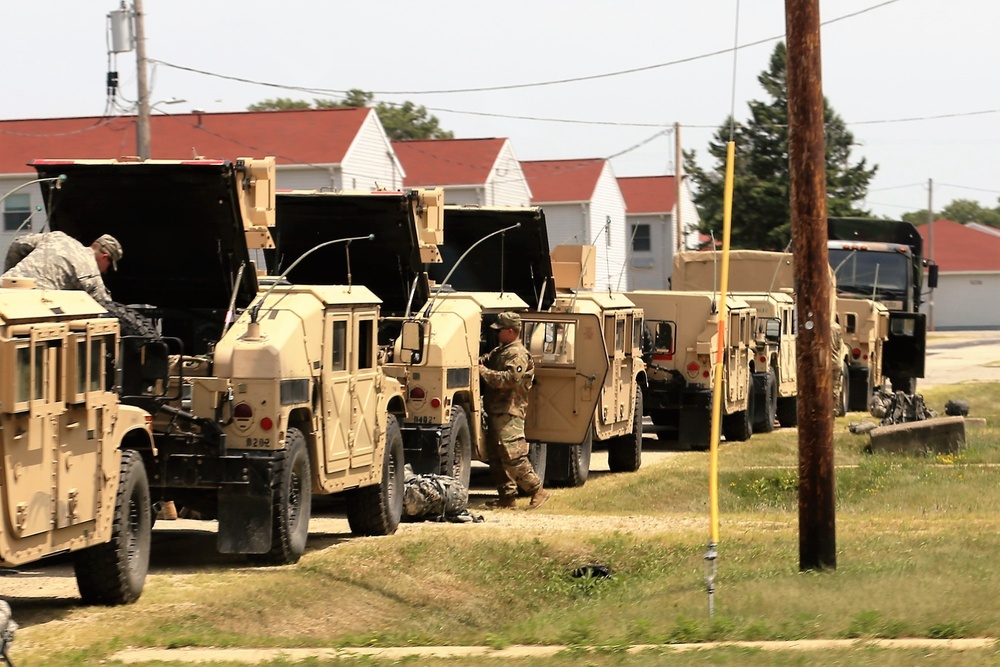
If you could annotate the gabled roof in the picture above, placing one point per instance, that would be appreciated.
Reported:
(447, 161)
(562, 180)
(648, 194)
(310, 136)
(959, 248)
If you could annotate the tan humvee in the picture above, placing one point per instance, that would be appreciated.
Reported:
(73, 475)
(764, 271)
(681, 361)
(866, 328)
(773, 366)
(617, 421)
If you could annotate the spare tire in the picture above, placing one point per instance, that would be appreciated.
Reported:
(132, 322)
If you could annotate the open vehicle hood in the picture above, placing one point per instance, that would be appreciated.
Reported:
(179, 224)
(517, 261)
(388, 265)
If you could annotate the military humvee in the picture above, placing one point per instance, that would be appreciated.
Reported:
(73, 478)
(431, 335)
(866, 329)
(287, 399)
(516, 258)
(773, 366)
(681, 359)
(764, 271)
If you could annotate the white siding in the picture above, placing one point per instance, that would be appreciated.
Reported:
(464, 195)
(38, 219)
(959, 299)
(506, 184)
(651, 269)
(295, 177)
(689, 218)
(370, 162)
(564, 223)
(608, 202)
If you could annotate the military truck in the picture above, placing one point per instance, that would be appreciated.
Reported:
(681, 360)
(883, 260)
(271, 406)
(431, 335)
(74, 480)
(866, 329)
(517, 258)
(769, 272)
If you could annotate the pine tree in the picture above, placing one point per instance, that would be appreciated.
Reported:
(761, 217)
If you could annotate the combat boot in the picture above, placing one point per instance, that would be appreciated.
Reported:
(504, 503)
(538, 498)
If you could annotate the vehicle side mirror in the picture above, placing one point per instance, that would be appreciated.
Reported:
(932, 276)
(412, 342)
(772, 330)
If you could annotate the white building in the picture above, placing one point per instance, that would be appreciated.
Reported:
(969, 276)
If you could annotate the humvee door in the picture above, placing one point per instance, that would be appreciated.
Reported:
(571, 363)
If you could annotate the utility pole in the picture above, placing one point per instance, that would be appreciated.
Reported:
(930, 249)
(142, 124)
(814, 350)
(678, 176)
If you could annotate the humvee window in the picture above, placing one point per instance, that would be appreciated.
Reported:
(664, 337)
(636, 331)
(736, 332)
(96, 364)
(80, 370)
(337, 359)
(39, 374)
(22, 379)
(852, 323)
(550, 342)
(366, 343)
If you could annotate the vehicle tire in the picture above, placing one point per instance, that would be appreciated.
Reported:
(769, 395)
(737, 427)
(456, 450)
(377, 509)
(625, 451)
(788, 411)
(131, 322)
(291, 495)
(579, 460)
(664, 418)
(860, 391)
(115, 572)
(845, 392)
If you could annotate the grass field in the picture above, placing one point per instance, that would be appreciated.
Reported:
(915, 545)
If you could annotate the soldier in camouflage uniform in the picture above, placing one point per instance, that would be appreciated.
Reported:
(58, 261)
(507, 373)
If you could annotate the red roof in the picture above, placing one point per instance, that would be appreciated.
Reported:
(959, 248)
(648, 194)
(447, 161)
(308, 136)
(562, 180)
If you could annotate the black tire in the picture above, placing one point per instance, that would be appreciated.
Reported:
(768, 394)
(844, 399)
(291, 495)
(577, 464)
(788, 411)
(456, 450)
(131, 322)
(738, 427)
(625, 451)
(377, 509)
(115, 572)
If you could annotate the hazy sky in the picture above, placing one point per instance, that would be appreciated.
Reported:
(912, 78)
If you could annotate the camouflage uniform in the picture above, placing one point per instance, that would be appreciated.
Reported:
(56, 261)
(507, 373)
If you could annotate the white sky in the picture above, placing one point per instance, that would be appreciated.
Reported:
(903, 59)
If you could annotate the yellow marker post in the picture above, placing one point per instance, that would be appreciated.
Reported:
(713, 460)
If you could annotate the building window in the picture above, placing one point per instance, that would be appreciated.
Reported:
(16, 209)
(641, 241)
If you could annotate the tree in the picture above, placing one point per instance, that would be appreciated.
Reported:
(401, 121)
(962, 211)
(761, 217)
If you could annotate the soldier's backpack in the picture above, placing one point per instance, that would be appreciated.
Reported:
(430, 496)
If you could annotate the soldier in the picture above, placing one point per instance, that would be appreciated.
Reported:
(58, 261)
(507, 373)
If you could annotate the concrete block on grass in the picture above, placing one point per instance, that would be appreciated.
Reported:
(941, 435)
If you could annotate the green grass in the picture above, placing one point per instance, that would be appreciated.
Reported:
(916, 539)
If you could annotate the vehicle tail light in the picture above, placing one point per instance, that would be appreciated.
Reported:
(435, 402)
(243, 411)
(693, 366)
(856, 353)
(418, 394)
(266, 423)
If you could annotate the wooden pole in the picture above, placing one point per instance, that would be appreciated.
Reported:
(814, 352)
(678, 179)
(142, 126)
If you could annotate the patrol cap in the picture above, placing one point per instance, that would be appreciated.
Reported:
(112, 247)
(507, 320)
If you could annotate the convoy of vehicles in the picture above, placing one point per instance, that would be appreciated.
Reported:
(882, 260)
(288, 399)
